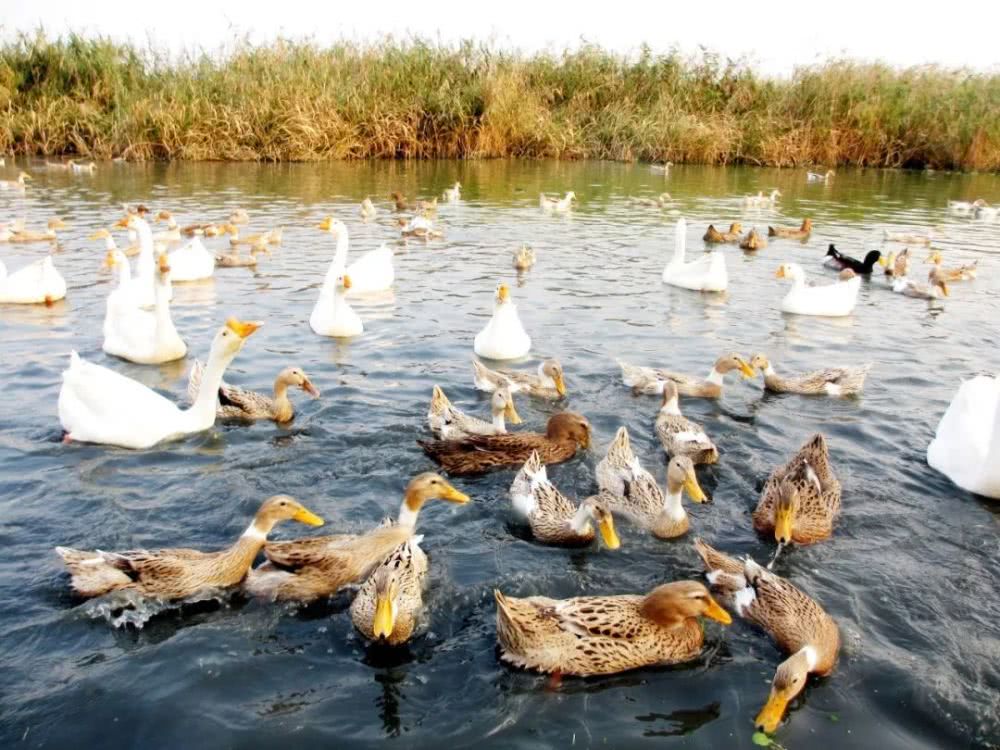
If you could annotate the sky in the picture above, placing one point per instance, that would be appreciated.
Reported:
(776, 35)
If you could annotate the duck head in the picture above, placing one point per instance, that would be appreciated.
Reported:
(567, 426)
(681, 476)
(673, 603)
(551, 371)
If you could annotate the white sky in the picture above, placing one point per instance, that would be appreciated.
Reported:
(776, 34)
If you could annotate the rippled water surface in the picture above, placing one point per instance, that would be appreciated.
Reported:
(910, 574)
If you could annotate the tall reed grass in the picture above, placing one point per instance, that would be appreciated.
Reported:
(297, 101)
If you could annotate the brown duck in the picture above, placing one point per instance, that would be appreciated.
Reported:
(714, 235)
(589, 635)
(795, 621)
(400, 201)
(309, 569)
(238, 403)
(476, 454)
(753, 241)
(791, 232)
(179, 573)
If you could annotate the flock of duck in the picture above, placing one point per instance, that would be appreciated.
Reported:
(587, 635)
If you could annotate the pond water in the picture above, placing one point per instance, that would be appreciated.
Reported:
(910, 573)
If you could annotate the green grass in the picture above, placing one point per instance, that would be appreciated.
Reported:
(297, 101)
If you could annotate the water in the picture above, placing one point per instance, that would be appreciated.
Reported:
(910, 573)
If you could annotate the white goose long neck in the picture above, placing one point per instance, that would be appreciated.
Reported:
(680, 240)
(164, 323)
(993, 453)
(339, 262)
(122, 268)
(146, 262)
(201, 414)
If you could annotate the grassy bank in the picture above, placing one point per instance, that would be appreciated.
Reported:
(297, 101)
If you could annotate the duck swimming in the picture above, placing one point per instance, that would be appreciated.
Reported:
(838, 261)
(547, 382)
(678, 435)
(833, 381)
(390, 603)
(238, 403)
(559, 205)
(649, 381)
(753, 241)
(449, 423)
(796, 233)
(713, 235)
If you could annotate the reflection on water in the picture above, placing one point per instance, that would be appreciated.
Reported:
(910, 573)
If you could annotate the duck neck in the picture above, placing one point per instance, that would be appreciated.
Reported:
(769, 371)
(672, 506)
(498, 421)
(714, 377)
(408, 515)
(282, 404)
(240, 556)
(580, 522)
(671, 406)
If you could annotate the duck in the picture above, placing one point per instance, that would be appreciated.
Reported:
(452, 194)
(706, 274)
(17, 184)
(801, 499)
(400, 202)
(564, 434)
(794, 233)
(796, 622)
(713, 235)
(141, 336)
(661, 168)
(897, 264)
(753, 241)
(559, 205)
(234, 259)
(191, 262)
(372, 272)
(935, 288)
(332, 315)
(649, 381)
(177, 573)
(237, 403)
(503, 337)
(966, 444)
(965, 272)
(550, 514)
(906, 237)
(832, 381)
(305, 570)
(172, 233)
(207, 230)
(760, 200)
(663, 199)
(547, 382)
(97, 405)
(238, 216)
(270, 237)
(524, 258)
(817, 177)
(427, 208)
(964, 208)
(49, 235)
(390, 603)
(831, 300)
(58, 166)
(449, 423)
(986, 212)
(368, 210)
(838, 261)
(36, 283)
(590, 635)
(680, 436)
(422, 227)
(88, 168)
(627, 489)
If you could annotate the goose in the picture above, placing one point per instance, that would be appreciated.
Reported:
(98, 405)
(372, 272)
(503, 337)
(707, 274)
(146, 264)
(966, 444)
(141, 336)
(36, 283)
(333, 315)
(830, 300)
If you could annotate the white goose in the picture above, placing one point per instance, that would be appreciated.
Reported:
(829, 300)
(332, 314)
(372, 272)
(97, 405)
(145, 273)
(503, 337)
(966, 447)
(140, 336)
(36, 283)
(707, 274)
(191, 262)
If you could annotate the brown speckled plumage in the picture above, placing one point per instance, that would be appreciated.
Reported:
(798, 233)
(406, 567)
(239, 403)
(649, 380)
(680, 436)
(713, 235)
(832, 381)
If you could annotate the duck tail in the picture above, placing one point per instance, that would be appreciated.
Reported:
(440, 404)
(93, 573)
(771, 232)
(481, 376)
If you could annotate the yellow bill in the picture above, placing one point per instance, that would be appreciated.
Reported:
(307, 517)
(510, 413)
(783, 525)
(503, 293)
(347, 281)
(109, 259)
(608, 534)
(770, 716)
(745, 369)
(560, 384)
(715, 612)
(243, 328)
(780, 273)
(325, 224)
(693, 489)
(384, 621)
(452, 495)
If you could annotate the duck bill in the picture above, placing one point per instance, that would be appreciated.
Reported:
(783, 525)
(884, 262)
(384, 622)
(503, 293)
(123, 223)
(309, 388)
(770, 716)
(325, 224)
(510, 413)
(608, 534)
(307, 517)
(715, 612)
(746, 370)
(243, 328)
(452, 495)
(560, 384)
(693, 489)
(944, 289)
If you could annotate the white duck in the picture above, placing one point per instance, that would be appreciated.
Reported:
(986, 212)
(707, 274)
(503, 337)
(760, 200)
(964, 208)
(368, 210)
(559, 205)
(35, 283)
(966, 447)
(817, 177)
(829, 300)
(333, 315)
(97, 405)
(452, 194)
(140, 336)
(372, 272)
